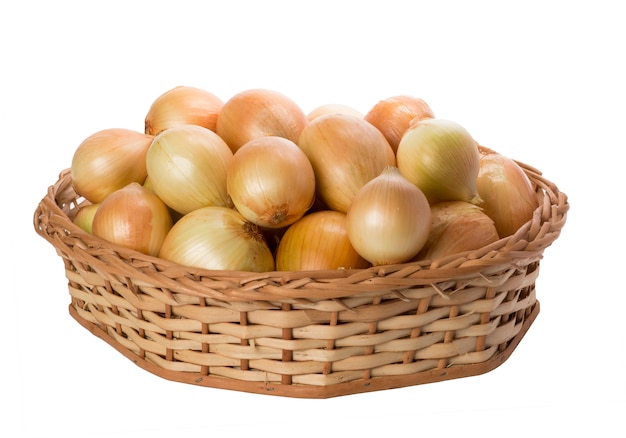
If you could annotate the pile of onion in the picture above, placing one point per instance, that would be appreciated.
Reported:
(256, 184)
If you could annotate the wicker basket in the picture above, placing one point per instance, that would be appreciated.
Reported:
(306, 334)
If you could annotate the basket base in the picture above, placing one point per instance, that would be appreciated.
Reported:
(318, 392)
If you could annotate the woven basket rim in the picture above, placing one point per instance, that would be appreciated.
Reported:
(52, 222)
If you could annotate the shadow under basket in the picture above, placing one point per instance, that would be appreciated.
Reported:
(315, 334)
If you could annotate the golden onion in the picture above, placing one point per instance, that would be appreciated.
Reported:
(394, 115)
(389, 219)
(217, 238)
(271, 182)
(258, 113)
(183, 105)
(457, 226)
(317, 241)
(187, 167)
(133, 217)
(441, 158)
(507, 192)
(108, 160)
(346, 152)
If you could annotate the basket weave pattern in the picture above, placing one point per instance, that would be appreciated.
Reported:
(306, 334)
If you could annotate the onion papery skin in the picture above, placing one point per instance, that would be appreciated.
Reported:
(187, 167)
(318, 241)
(333, 108)
(441, 158)
(108, 160)
(346, 152)
(394, 115)
(183, 105)
(389, 219)
(457, 226)
(133, 217)
(271, 182)
(256, 113)
(217, 238)
(507, 193)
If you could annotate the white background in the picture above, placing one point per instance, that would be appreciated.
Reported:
(540, 81)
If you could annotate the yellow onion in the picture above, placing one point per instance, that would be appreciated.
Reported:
(187, 167)
(147, 184)
(318, 241)
(346, 152)
(333, 108)
(441, 158)
(457, 226)
(507, 192)
(183, 105)
(271, 182)
(389, 219)
(109, 160)
(84, 216)
(257, 113)
(394, 115)
(217, 238)
(133, 217)
(173, 213)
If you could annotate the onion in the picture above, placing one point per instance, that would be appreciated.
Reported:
(507, 193)
(457, 226)
(133, 217)
(394, 115)
(183, 105)
(318, 241)
(271, 182)
(333, 108)
(217, 238)
(441, 158)
(258, 113)
(187, 167)
(389, 219)
(84, 216)
(173, 213)
(108, 160)
(346, 152)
